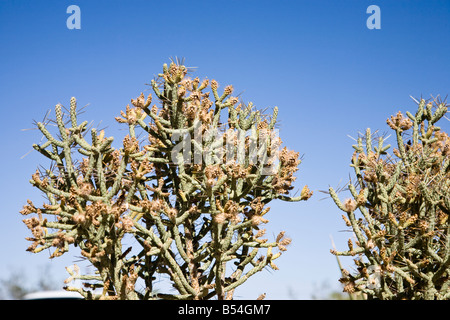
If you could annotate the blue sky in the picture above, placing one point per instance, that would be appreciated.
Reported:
(316, 60)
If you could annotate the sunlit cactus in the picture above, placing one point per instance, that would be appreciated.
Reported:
(399, 210)
(192, 192)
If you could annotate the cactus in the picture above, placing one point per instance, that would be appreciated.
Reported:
(402, 237)
(192, 203)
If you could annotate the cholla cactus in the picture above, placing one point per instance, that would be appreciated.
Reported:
(193, 195)
(402, 239)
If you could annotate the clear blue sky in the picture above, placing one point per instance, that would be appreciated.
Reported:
(316, 60)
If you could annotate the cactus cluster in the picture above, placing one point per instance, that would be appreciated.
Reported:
(401, 233)
(192, 194)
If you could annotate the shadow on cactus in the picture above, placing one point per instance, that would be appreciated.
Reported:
(402, 238)
(193, 195)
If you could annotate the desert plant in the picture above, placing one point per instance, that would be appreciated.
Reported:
(192, 194)
(402, 237)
